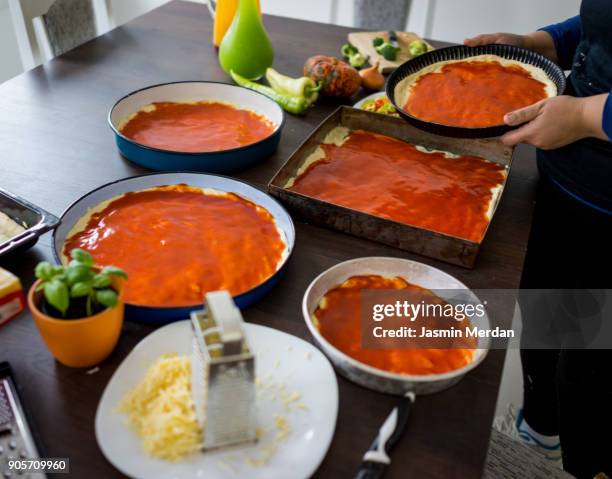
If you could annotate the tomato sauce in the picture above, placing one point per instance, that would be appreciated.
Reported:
(473, 94)
(197, 127)
(392, 179)
(177, 243)
(339, 322)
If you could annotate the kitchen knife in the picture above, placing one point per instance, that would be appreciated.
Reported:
(376, 459)
(393, 38)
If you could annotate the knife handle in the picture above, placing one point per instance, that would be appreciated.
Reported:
(371, 470)
(403, 413)
(376, 459)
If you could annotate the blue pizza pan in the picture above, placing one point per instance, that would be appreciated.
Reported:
(225, 161)
(162, 315)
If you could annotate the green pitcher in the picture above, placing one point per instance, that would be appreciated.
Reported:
(246, 48)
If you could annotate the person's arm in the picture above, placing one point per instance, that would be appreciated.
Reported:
(565, 36)
(540, 42)
(558, 121)
(556, 42)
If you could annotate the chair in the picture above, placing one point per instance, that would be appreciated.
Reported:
(381, 15)
(47, 28)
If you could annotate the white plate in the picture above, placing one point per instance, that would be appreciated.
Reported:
(286, 359)
(373, 96)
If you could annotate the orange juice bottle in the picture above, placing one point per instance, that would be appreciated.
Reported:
(223, 13)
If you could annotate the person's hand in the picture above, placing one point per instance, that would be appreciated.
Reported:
(503, 38)
(556, 122)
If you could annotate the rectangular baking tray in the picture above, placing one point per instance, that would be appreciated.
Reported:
(418, 240)
(36, 221)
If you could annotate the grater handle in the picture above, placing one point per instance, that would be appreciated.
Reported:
(221, 307)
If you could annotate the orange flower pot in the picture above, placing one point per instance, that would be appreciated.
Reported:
(79, 343)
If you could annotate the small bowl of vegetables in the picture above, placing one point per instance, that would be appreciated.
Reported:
(378, 103)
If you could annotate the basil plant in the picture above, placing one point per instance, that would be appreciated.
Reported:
(78, 282)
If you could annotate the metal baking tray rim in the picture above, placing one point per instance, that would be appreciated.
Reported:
(381, 218)
(46, 223)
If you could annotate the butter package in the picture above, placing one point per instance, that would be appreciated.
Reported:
(12, 299)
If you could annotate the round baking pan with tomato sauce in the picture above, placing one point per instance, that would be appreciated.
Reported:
(179, 236)
(464, 92)
(196, 126)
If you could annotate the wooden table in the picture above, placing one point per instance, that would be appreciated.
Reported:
(55, 145)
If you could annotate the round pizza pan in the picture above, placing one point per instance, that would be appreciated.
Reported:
(222, 161)
(462, 52)
(159, 314)
(414, 272)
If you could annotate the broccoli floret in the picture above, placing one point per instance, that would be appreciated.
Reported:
(417, 47)
(356, 59)
(388, 51)
(378, 41)
(347, 50)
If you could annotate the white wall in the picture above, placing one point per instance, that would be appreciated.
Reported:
(454, 20)
(315, 10)
(125, 10)
(10, 61)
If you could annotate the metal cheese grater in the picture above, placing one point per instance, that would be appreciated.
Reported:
(223, 373)
(16, 440)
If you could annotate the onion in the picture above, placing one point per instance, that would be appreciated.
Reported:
(371, 78)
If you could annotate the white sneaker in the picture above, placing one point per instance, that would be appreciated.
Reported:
(514, 426)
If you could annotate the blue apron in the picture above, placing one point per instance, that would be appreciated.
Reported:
(584, 169)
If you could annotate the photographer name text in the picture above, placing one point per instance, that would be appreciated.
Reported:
(452, 332)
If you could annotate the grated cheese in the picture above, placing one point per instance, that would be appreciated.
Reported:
(160, 409)
(9, 228)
